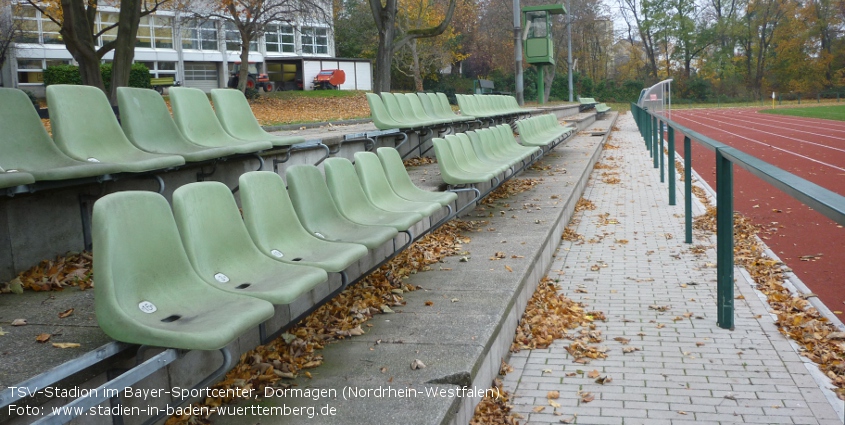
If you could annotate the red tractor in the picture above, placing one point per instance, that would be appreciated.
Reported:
(254, 79)
(329, 79)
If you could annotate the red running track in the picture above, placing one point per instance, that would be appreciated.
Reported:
(814, 149)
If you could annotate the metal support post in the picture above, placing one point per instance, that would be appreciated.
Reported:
(724, 242)
(660, 151)
(654, 152)
(687, 190)
(671, 168)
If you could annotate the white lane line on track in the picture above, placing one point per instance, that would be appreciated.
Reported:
(794, 121)
(776, 134)
(766, 144)
(829, 124)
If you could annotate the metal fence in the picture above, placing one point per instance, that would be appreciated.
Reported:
(652, 123)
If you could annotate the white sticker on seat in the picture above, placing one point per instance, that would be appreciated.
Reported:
(276, 253)
(320, 235)
(147, 307)
(93, 159)
(11, 171)
(222, 278)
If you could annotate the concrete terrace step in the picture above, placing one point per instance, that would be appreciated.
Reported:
(469, 326)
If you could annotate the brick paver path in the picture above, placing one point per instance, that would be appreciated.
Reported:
(688, 370)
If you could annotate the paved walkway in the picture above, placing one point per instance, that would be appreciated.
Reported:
(687, 370)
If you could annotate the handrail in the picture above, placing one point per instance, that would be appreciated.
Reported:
(828, 203)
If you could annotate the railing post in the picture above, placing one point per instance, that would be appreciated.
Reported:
(687, 190)
(647, 136)
(660, 151)
(670, 169)
(724, 242)
(654, 152)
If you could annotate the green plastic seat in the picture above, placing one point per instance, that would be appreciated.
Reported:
(449, 170)
(418, 111)
(223, 254)
(147, 291)
(85, 128)
(602, 108)
(352, 202)
(196, 120)
(401, 182)
(27, 148)
(276, 230)
(504, 135)
(378, 190)
(400, 109)
(486, 163)
(429, 108)
(319, 215)
(237, 119)
(440, 103)
(507, 148)
(380, 116)
(463, 160)
(14, 179)
(148, 125)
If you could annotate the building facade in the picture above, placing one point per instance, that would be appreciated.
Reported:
(196, 53)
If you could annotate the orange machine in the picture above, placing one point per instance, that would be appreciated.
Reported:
(329, 79)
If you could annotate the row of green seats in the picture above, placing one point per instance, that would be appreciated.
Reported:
(151, 261)
(410, 111)
(89, 142)
(490, 106)
(544, 131)
(480, 156)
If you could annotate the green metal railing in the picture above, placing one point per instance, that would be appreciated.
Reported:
(651, 127)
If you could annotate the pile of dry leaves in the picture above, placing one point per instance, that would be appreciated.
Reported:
(297, 351)
(494, 410)
(73, 269)
(548, 316)
(510, 188)
(420, 160)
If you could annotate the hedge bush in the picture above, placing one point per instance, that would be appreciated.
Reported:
(139, 75)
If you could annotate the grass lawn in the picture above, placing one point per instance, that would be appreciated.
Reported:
(826, 112)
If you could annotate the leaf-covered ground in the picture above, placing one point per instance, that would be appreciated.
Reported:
(299, 107)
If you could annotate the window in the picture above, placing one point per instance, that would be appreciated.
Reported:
(279, 38)
(107, 19)
(163, 32)
(315, 40)
(28, 17)
(200, 71)
(161, 69)
(145, 33)
(31, 71)
(199, 36)
(37, 28)
(233, 39)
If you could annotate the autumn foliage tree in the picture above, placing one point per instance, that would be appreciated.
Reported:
(392, 37)
(250, 17)
(425, 57)
(77, 19)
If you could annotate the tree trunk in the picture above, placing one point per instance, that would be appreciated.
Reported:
(384, 55)
(418, 82)
(124, 52)
(77, 32)
(548, 78)
(384, 60)
(243, 73)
